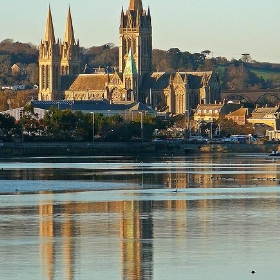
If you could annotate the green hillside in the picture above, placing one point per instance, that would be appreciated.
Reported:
(266, 74)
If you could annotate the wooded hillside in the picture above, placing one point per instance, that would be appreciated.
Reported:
(240, 74)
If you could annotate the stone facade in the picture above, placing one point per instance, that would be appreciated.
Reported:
(180, 92)
(269, 116)
(211, 112)
(57, 60)
(176, 93)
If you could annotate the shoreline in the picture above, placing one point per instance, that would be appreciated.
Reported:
(126, 148)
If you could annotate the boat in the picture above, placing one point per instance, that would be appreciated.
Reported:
(274, 154)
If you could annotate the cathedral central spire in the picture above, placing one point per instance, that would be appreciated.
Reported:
(135, 5)
(136, 36)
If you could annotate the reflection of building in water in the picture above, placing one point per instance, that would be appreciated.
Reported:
(136, 227)
(68, 246)
(178, 178)
(46, 232)
(49, 230)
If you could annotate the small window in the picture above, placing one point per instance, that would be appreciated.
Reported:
(128, 95)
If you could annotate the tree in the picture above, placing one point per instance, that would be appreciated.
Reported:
(174, 55)
(246, 57)
(83, 129)
(29, 122)
(206, 52)
(161, 61)
(230, 127)
(17, 53)
(32, 71)
(7, 126)
(101, 56)
(236, 77)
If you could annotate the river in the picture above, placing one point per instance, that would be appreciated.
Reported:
(201, 216)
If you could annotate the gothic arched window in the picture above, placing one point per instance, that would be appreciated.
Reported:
(48, 77)
(43, 77)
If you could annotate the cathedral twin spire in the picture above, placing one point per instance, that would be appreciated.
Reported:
(69, 31)
(49, 32)
(134, 5)
(57, 59)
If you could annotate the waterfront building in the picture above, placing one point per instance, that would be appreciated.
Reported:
(266, 116)
(211, 112)
(128, 111)
(240, 116)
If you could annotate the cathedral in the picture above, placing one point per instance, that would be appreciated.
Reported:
(132, 82)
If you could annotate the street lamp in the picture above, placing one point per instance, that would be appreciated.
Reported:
(141, 113)
(92, 127)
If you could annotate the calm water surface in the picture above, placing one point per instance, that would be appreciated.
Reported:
(197, 217)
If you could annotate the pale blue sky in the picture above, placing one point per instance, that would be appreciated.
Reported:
(226, 27)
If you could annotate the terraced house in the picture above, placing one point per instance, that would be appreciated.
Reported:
(269, 116)
(132, 82)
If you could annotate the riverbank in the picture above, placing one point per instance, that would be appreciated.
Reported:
(126, 148)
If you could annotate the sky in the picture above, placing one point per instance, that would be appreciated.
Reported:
(227, 28)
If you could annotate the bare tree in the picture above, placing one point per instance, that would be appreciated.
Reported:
(246, 57)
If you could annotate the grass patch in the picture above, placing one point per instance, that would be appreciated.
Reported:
(265, 74)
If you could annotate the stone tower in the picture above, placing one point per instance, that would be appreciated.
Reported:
(136, 35)
(70, 51)
(49, 63)
(57, 59)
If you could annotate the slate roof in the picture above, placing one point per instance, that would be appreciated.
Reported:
(223, 108)
(90, 105)
(266, 111)
(195, 79)
(210, 106)
(240, 112)
(67, 81)
(46, 105)
(86, 82)
(156, 80)
(194, 82)
(141, 107)
(161, 80)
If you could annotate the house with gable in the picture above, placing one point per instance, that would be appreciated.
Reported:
(240, 116)
(268, 116)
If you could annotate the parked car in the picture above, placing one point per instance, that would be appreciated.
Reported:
(157, 140)
(194, 138)
(229, 140)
